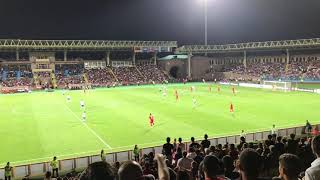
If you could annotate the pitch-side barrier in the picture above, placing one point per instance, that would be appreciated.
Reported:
(263, 86)
(66, 165)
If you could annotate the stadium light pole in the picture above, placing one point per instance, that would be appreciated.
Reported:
(205, 22)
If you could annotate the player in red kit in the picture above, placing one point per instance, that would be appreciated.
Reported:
(231, 108)
(151, 120)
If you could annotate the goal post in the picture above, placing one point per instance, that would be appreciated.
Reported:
(278, 85)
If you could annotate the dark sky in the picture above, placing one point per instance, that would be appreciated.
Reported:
(182, 20)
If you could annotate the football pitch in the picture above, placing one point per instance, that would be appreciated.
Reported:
(36, 126)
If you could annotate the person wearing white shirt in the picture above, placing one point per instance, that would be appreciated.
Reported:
(82, 104)
(192, 153)
(84, 116)
(68, 98)
(274, 130)
(194, 102)
(242, 134)
(313, 172)
(193, 88)
(184, 163)
(164, 91)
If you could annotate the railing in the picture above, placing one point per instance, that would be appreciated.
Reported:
(283, 44)
(84, 44)
(82, 162)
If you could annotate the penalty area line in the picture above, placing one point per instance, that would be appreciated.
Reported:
(91, 130)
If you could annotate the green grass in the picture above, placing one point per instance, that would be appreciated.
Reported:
(39, 125)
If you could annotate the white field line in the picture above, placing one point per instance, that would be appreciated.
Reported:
(91, 130)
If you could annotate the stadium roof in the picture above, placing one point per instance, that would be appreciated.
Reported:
(266, 45)
(149, 46)
(89, 45)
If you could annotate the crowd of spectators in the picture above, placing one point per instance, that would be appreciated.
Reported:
(72, 74)
(152, 73)
(100, 77)
(128, 75)
(276, 158)
(63, 81)
(66, 74)
(16, 75)
(16, 71)
(104, 77)
(232, 67)
(261, 70)
(274, 70)
(14, 82)
(69, 69)
(310, 70)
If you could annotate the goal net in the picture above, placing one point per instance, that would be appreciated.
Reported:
(277, 85)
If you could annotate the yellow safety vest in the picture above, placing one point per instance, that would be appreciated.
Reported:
(8, 171)
(54, 164)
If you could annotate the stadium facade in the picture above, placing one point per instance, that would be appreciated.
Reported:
(189, 60)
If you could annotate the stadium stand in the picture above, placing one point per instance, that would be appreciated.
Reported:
(15, 75)
(152, 73)
(128, 75)
(69, 69)
(301, 67)
(68, 74)
(13, 82)
(295, 70)
(100, 77)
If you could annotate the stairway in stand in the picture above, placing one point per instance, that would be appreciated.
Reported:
(85, 78)
(140, 73)
(36, 79)
(53, 80)
(114, 76)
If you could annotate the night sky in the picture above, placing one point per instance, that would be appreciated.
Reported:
(229, 21)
